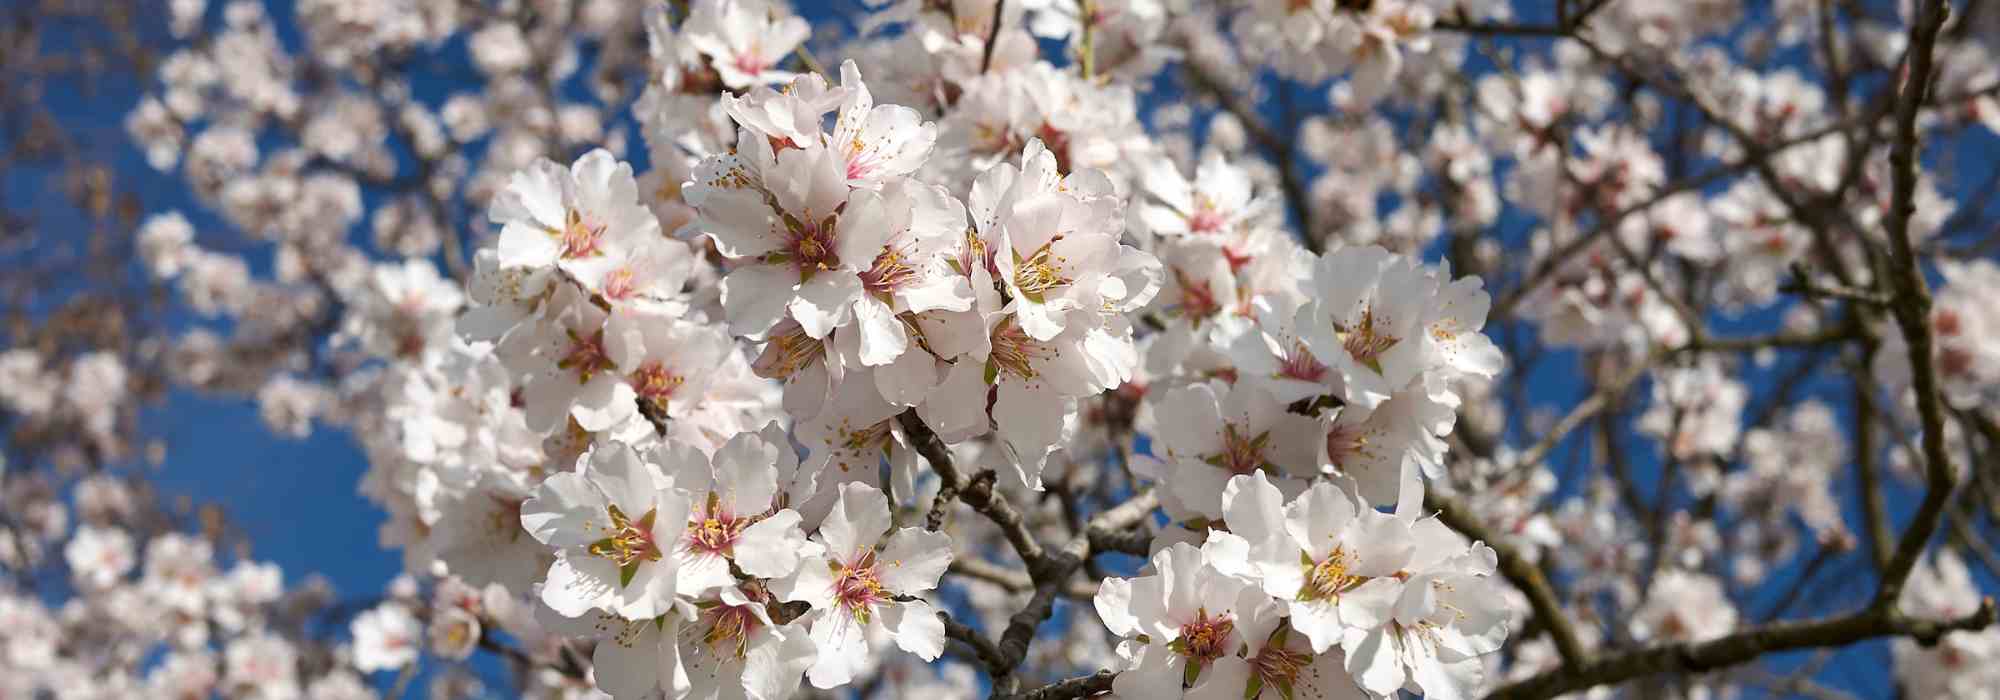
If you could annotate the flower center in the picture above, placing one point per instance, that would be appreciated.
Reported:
(1040, 272)
(620, 284)
(655, 384)
(861, 162)
(586, 356)
(974, 253)
(857, 587)
(1206, 219)
(1946, 322)
(1206, 638)
(630, 542)
(1197, 300)
(1327, 578)
(731, 625)
(713, 529)
(890, 271)
(1242, 453)
(1278, 667)
(1300, 364)
(1344, 443)
(1013, 351)
(580, 239)
(788, 351)
(1955, 361)
(1367, 339)
(749, 63)
(809, 245)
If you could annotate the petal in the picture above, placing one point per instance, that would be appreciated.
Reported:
(883, 338)
(701, 572)
(913, 560)
(917, 628)
(1225, 678)
(755, 297)
(1373, 660)
(1371, 605)
(858, 521)
(564, 511)
(771, 547)
(862, 230)
(772, 667)
(1253, 507)
(744, 474)
(578, 582)
(812, 583)
(1113, 603)
(1320, 621)
(626, 665)
(908, 380)
(1031, 420)
(1157, 675)
(826, 302)
(843, 649)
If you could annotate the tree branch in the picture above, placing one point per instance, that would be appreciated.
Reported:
(1687, 657)
(1047, 568)
(1910, 302)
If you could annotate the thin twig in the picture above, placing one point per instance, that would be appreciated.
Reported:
(992, 37)
(1912, 304)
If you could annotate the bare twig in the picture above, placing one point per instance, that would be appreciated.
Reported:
(1078, 687)
(1874, 621)
(1911, 305)
(992, 36)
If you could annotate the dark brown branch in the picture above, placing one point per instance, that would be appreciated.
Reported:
(1874, 507)
(992, 36)
(1049, 569)
(981, 650)
(1078, 687)
(1685, 657)
(976, 492)
(1911, 304)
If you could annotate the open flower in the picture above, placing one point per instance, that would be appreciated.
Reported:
(866, 586)
(1211, 432)
(744, 40)
(1368, 307)
(569, 355)
(732, 648)
(1196, 623)
(614, 524)
(586, 220)
(1311, 552)
(733, 521)
(386, 638)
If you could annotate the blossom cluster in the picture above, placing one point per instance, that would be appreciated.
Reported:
(1321, 596)
(686, 365)
(157, 611)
